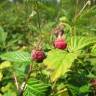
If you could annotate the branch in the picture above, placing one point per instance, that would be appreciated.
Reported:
(85, 5)
(23, 85)
(16, 82)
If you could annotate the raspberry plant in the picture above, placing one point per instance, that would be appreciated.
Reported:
(63, 63)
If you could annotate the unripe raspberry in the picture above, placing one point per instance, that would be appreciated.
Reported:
(38, 55)
(58, 31)
(60, 43)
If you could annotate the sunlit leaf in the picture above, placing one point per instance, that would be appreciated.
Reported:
(1, 75)
(5, 64)
(59, 62)
(79, 42)
(16, 56)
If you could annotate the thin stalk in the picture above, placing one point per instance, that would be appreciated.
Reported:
(23, 85)
(80, 12)
(16, 82)
(77, 15)
(60, 92)
(74, 28)
(38, 16)
(76, 10)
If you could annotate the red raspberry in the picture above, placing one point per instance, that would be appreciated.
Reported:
(38, 55)
(93, 82)
(60, 43)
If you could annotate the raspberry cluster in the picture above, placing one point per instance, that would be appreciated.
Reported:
(38, 55)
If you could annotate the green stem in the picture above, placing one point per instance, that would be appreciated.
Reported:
(77, 15)
(38, 16)
(22, 87)
(80, 12)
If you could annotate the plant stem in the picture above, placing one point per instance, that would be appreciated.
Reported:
(23, 85)
(77, 15)
(38, 16)
(80, 12)
(60, 92)
(16, 82)
(76, 10)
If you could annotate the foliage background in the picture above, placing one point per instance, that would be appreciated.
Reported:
(24, 22)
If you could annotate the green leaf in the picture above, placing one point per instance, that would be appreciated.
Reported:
(59, 62)
(84, 89)
(5, 64)
(16, 56)
(20, 68)
(91, 75)
(35, 88)
(1, 75)
(8, 90)
(73, 89)
(9, 93)
(79, 42)
(3, 35)
(94, 50)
